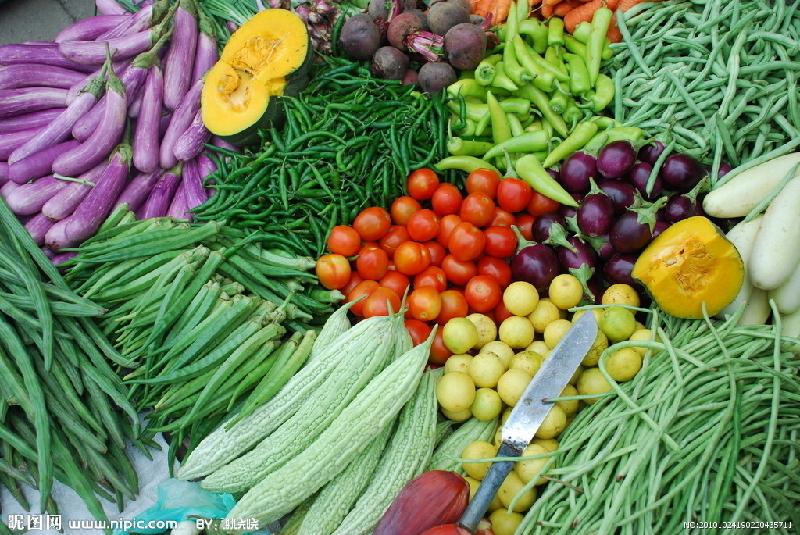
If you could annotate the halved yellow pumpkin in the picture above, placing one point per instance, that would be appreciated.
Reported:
(232, 101)
(689, 264)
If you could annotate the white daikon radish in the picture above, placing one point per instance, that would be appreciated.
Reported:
(776, 252)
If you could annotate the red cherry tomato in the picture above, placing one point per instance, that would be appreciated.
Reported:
(501, 313)
(372, 263)
(436, 252)
(446, 200)
(379, 301)
(333, 271)
(513, 194)
(458, 272)
(411, 258)
(482, 293)
(540, 205)
(439, 352)
(466, 242)
(395, 281)
(402, 208)
(525, 225)
(502, 218)
(484, 181)
(393, 238)
(355, 280)
(478, 209)
(454, 305)
(422, 183)
(419, 331)
(500, 242)
(372, 223)
(364, 288)
(496, 268)
(446, 226)
(423, 225)
(424, 303)
(344, 240)
(432, 276)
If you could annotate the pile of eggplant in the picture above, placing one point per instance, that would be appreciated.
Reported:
(108, 113)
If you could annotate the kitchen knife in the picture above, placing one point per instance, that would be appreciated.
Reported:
(531, 410)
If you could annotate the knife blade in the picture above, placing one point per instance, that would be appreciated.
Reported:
(531, 410)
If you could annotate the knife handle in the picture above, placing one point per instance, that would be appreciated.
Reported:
(494, 478)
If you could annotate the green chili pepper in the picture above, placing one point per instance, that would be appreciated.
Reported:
(512, 29)
(466, 75)
(579, 137)
(487, 69)
(597, 142)
(625, 133)
(517, 105)
(533, 62)
(467, 164)
(545, 82)
(578, 74)
(558, 102)
(482, 124)
(526, 142)
(535, 126)
(555, 31)
(538, 33)
(463, 147)
(594, 48)
(522, 11)
(515, 124)
(540, 155)
(466, 88)
(553, 57)
(582, 32)
(469, 128)
(574, 46)
(604, 122)
(500, 78)
(501, 130)
(603, 93)
(530, 169)
(607, 52)
(541, 102)
(512, 67)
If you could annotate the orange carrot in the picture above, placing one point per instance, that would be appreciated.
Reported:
(612, 4)
(551, 2)
(625, 5)
(565, 7)
(501, 9)
(547, 11)
(582, 13)
(614, 35)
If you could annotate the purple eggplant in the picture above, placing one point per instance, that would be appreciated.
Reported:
(110, 7)
(43, 53)
(28, 199)
(622, 194)
(193, 139)
(10, 142)
(138, 189)
(3, 173)
(35, 120)
(118, 66)
(221, 143)
(680, 207)
(179, 59)
(576, 171)
(90, 28)
(181, 119)
(138, 22)
(178, 209)
(536, 264)
(681, 172)
(161, 196)
(64, 203)
(724, 169)
(59, 259)
(7, 189)
(618, 269)
(36, 75)
(194, 192)
(163, 124)
(616, 159)
(205, 165)
(659, 227)
(206, 54)
(94, 209)
(94, 52)
(28, 99)
(650, 152)
(639, 175)
(629, 234)
(37, 227)
(602, 245)
(135, 107)
(595, 214)
(549, 229)
(582, 255)
(595, 289)
(146, 135)
(38, 164)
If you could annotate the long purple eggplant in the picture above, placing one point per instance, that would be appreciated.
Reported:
(110, 7)
(28, 99)
(221, 143)
(65, 202)
(44, 53)
(177, 209)
(34, 74)
(205, 165)
(161, 196)
(193, 139)
(39, 163)
(195, 193)
(90, 28)
(163, 124)
(107, 134)
(181, 119)
(36, 119)
(7, 189)
(94, 209)
(179, 59)
(10, 142)
(59, 259)
(146, 136)
(3, 173)
(38, 226)
(61, 127)
(206, 55)
(138, 189)
(135, 107)
(28, 199)
(131, 24)
(127, 46)
(75, 90)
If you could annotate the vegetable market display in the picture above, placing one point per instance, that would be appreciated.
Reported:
(323, 248)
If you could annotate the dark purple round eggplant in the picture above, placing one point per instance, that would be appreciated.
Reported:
(570, 211)
(679, 207)
(621, 194)
(553, 173)
(724, 169)
(650, 152)
(659, 227)
(602, 244)
(616, 159)
(595, 285)
(583, 255)
(638, 176)
(536, 264)
(628, 235)
(576, 171)
(681, 172)
(595, 214)
(618, 269)
(541, 227)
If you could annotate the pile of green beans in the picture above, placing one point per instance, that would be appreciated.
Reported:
(718, 78)
(707, 431)
(64, 414)
(349, 141)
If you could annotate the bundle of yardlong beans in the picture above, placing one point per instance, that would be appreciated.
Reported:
(720, 78)
(707, 431)
(64, 414)
(349, 141)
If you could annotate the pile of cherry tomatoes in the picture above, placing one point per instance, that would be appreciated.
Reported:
(449, 251)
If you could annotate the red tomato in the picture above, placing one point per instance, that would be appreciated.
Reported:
(436, 252)
(458, 272)
(502, 218)
(393, 238)
(525, 225)
(424, 303)
(484, 181)
(501, 313)
(422, 183)
(500, 242)
(344, 240)
(454, 305)
(446, 200)
(361, 289)
(411, 258)
(446, 226)
(466, 242)
(372, 223)
(395, 281)
(333, 271)
(513, 194)
(423, 225)
(482, 293)
(379, 301)
(540, 205)
(402, 208)
(478, 209)
(432, 276)
(355, 280)
(372, 263)
(419, 331)
(439, 351)
(496, 268)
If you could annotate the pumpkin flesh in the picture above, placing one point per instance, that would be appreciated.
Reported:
(231, 101)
